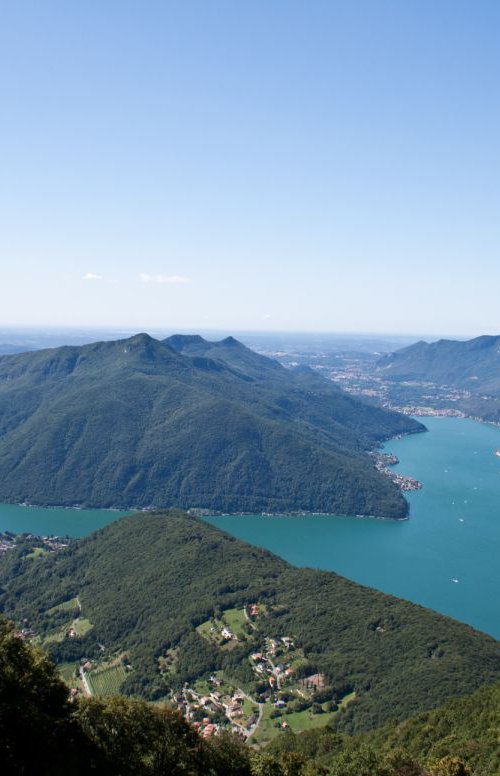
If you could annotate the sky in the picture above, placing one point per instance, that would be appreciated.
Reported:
(323, 165)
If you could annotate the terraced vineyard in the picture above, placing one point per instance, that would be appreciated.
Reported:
(66, 606)
(107, 680)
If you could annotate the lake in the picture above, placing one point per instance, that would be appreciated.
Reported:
(54, 521)
(446, 556)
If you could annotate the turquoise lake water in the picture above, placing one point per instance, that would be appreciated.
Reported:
(57, 522)
(453, 532)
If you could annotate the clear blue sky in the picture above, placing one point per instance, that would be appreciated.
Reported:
(311, 165)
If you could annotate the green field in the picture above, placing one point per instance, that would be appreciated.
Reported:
(210, 630)
(67, 671)
(297, 721)
(52, 638)
(82, 626)
(202, 687)
(65, 606)
(305, 720)
(249, 708)
(234, 619)
(106, 681)
(236, 622)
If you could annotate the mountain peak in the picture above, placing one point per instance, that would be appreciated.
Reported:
(232, 342)
(180, 342)
(140, 339)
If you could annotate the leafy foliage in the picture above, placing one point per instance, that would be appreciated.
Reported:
(42, 734)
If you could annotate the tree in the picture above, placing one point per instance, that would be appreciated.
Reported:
(37, 733)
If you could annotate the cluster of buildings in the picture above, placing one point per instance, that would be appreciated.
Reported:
(48, 543)
(215, 710)
(265, 666)
(7, 542)
(224, 706)
(403, 481)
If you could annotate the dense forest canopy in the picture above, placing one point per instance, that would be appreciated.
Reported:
(185, 422)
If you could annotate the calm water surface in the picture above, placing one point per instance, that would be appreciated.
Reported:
(57, 522)
(446, 557)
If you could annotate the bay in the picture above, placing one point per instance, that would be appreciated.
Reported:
(445, 557)
(55, 521)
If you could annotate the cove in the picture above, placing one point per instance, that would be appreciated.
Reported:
(55, 521)
(445, 557)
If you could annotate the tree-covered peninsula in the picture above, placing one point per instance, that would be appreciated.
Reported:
(188, 423)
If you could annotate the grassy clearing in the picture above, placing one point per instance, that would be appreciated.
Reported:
(65, 606)
(211, 631)
(167, 663)
(53, 637)
(106, 680)
(67, 671)
(236, 622)
(266, 730)
(305, 720)
(347, 699)
(297, 721)
(82, 626)
(202, 687)
(249, 708)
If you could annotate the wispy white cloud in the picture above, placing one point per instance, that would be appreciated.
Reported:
(92, 276)
(171, 279)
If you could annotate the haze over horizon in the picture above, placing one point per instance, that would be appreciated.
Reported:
(251, 167)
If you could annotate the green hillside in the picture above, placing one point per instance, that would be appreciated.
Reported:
(137, 422)
(154, 587)
(464, 729)
(472, 365)
(46, 734)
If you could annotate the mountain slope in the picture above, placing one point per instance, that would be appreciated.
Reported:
(473, 365)
(463, 728)
(147, 423)
(146, 582)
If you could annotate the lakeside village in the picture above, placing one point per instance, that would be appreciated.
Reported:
(9, 541)
(286, 693)
(382, 463)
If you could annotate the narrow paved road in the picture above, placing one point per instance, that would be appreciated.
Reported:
(259, 718)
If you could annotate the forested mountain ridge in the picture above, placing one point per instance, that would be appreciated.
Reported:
(148, 583)
(471, 369)
(139, 422)
(472, 365)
